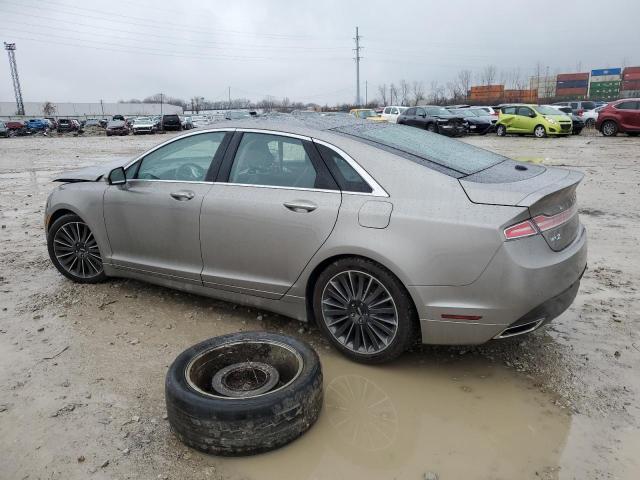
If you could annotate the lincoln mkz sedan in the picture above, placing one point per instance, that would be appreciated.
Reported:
(381, 234)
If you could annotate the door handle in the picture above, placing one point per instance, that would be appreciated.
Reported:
(183, 195)
(300, 206)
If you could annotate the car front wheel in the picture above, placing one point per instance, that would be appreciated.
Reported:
(74, 251)
(364, 310)
(539, 131)
(501, 131)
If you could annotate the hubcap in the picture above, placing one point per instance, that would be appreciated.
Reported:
(77, 251)
(539, 132)
(609, 128)
(359, 312)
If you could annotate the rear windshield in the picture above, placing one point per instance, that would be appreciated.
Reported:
(422, 145)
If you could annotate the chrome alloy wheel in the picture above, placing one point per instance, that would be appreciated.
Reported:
(77, 251)
(359, 312)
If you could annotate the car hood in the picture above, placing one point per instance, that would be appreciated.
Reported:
(90, 174)
(143, 124)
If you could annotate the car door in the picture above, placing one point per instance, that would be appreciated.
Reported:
(507, 117)
(272, 207)
(628, 114)
(153, 220)
(523, 122)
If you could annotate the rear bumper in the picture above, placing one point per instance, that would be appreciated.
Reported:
(525, 279)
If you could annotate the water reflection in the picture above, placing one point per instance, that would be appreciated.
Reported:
(463, 418)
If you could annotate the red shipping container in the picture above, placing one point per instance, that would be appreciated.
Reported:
(630, 85)
(564, 92)
(631, 70)
(573, 76)
(631, 76)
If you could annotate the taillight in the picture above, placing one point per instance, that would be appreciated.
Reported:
(544, 222)
(580, 112)
(520, 230)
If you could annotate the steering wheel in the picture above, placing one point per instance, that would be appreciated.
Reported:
(190, 171)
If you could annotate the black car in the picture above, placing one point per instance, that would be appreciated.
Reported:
(477, 123)
(578, 122)
(171, 122)
(117, 127)
(66, 125)
(435, 119)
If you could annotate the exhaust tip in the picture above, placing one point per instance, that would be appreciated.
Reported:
(520, 329)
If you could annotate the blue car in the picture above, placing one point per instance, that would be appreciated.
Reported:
(36, 124)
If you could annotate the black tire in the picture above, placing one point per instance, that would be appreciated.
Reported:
(609, 128)
(501, 131)
(539, 128)
(406, 334)
(577, 131)
(590, 123)
(243, 426)
(431, 127)
(51, 236)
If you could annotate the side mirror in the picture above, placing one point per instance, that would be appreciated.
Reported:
(423, 115)
(533, 115)
(117, 176)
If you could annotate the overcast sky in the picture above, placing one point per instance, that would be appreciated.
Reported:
(87, 51)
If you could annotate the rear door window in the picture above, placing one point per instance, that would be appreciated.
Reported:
(509, 110)
(524, 111)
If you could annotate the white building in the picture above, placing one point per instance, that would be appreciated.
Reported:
(84, 110)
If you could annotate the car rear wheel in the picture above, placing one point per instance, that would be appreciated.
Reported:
(590, 123)
(364, 310)
(609, 128)
(432, 128)
(540, 131)
(501, 131)
(74, 251)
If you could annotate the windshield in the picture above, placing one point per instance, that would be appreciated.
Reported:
(142, 120)
(465, 112)
(480, 112)
(544, 110)
(423, 145)
(365, 113)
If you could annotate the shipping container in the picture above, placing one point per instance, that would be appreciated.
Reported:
(606, 78)
(606, 71)
(572, 83)
(630, 93)
(568, 92)
(630, 85)
(628, 70)
(631, 76)
(573, 76)
(488, 88)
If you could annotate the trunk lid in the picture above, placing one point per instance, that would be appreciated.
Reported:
(548, 193)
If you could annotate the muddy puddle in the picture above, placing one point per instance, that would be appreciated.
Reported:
(413, 417)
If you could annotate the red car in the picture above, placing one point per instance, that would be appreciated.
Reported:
(621, 116)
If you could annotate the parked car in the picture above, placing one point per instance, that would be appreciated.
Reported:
(92, 122)
(4, 131)
(621, 116)
(171, 122)
(117, 127)
(478, 124)
(118, 117)
(484, 113)
(53, 122)
(578, 106)
(66, 125)
(367, 114)
(413, 251)
(15, 126)
(577, 122)
(434, 119)
(36, 124)
(143, 125)
(391, 113)
(490, 110)
(187, 123)
(540, 121)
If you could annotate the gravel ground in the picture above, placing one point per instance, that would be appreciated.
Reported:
(82, 367)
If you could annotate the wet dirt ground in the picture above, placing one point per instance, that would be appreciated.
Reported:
(82, 366)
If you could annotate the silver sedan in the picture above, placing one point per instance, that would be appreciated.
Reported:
(381, 234)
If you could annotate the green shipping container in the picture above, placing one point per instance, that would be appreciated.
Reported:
(604, 85)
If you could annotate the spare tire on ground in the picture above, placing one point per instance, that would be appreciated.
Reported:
(244, 393)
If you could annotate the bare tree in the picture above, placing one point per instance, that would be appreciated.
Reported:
(436, 94)
(455, 94)
(382, 91)
(488, 75)
(393, 93)
(417, 89)
(464, 82)
(48, 109)
(404, 92)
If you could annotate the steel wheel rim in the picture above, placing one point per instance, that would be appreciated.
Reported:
(609, 128)
(76, 250)
(359, 312)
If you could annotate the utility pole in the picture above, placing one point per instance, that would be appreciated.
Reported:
(357, 58)
(161, 100)
(229, 98)
(102, 108)
(366, 93)
(11, 51)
